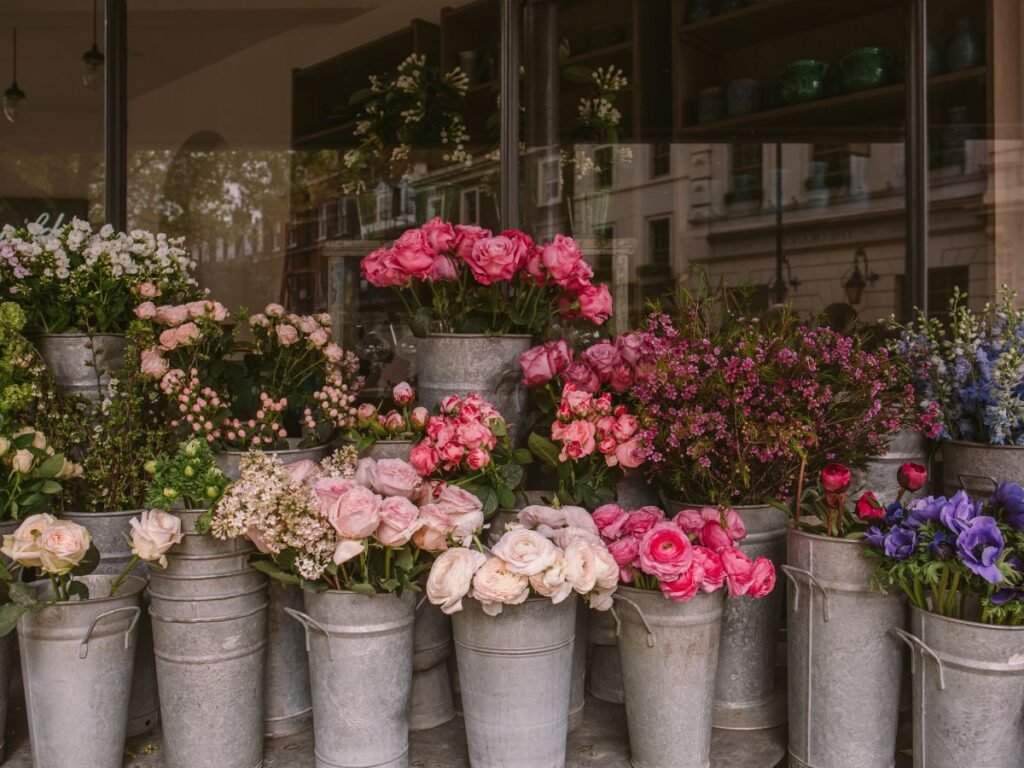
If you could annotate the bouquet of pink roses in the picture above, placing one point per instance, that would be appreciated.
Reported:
(551, 552)
(464, 279)
(694, 551)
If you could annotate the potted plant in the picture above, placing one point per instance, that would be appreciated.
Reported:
(389, 435)
(78, 289)
(354, 536)
(835, 614)
(77, 634)
(960, 564)
(476, 300)
(672, 574)
(514, 617)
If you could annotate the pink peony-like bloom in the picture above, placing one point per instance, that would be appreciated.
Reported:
(424, 458)
(560, 257)
(356, 514)
(494, 586)
(609, 519)
(493, 259)
(582, 376)
(739, 571)
(274, 310)
(412, 253)
(580, 277)
(665, 552)
(763, 578)
(524, 551)
(464, 511)
(523, 244)
(450, 404)
(419, 417)
(146, 310)
(287, 334)
(399, 520)
(602, 358)
(366, 411)
(544, 362)
(714, 537)
(626, 550)
(319, 337)
(630, 454)
(153, 363)
(392, 421)
(451, 576)
(439, 235)
(403, 393)
(640, 521)
(710, 564)
(596, 303)
(581, 568)
(683, 587)
(689, 520)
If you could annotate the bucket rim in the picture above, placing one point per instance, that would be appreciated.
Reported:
(107, 513)
(987, 446)
(479, 336)
(737, 507)
(280, 451)
(137, 584)
(78, 336)
(791, 528)
(964, 622)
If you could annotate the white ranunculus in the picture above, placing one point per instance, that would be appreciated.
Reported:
(451, 577)
(526, 552)
(580, 566)
(551, 581)
(494, 586)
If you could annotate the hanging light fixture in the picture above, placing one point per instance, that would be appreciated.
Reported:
(92, 60)
(857, 280)
(13, 96)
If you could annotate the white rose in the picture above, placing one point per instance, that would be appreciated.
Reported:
(22, 546)
(451, 577)
(153, 533)
(551, 581)
(62, 545)
(580, 566)
(526, 552)
(494, 585)
(22, 460)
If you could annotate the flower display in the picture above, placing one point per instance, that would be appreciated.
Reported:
(72, 279)
(466, 279)
(692, 552)
(401, 423)
(550, 559)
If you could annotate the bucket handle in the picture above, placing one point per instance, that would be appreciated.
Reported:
(83, 649)
(962, 475)
(309, 623)
(509, 375)
(794, 574)
(916, 643)
(651, 637)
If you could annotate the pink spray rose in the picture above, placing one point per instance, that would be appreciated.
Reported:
(424, 458)
(146, 310)
(630, 454)
(153, 363)
(148, 290)
(582, 376)
(171, 315)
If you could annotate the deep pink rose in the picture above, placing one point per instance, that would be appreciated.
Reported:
(560, 256)
(665, 552)
(640, 521)
(523, 244)
(492, 259)
(630, 454)
(443, 268)
(763, 578)
(466, 236)
(609, 520)
(544, 362)
(412, 254)
(328, 490)
(710, 564)
(602, 358)
(399, 520)
(596, 303)
(439, 235)
(625, 550)
(424, 458)
(580, 277)
(684, 587)
(739, 571)
(582, 376)
(380, 270)
(714, 537)
(394, 477)
(356, 513)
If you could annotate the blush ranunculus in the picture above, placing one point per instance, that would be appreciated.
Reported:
(739, 571)
(493, 259)
(356, 513)
(494, 586)
(596, 303)
(836, 478)
(551, 582)
(665, 552)
(451, 577)
(581, 565)
(689, 520)
(602, 358)
(525, 551)
(762, 578)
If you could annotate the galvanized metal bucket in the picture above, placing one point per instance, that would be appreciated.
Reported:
(578, 690)
(845, 666)
(879, 474)
(77, 658)
(669, 653)
(360, 664)
(7, 650)
(81, 364)
(389, 449)
(968, 682)
(209, 610)
(633, 491)
(432, 702)
(229, 462)
(604, 678)
(289, 706)
(515, 671)
(463, 364)
(110, 532)
(977, 468)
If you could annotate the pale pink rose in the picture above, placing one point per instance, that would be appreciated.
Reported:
(274, 310)
(364, 472)
(148, 290)
(733, 525)
(23, 545)
(379, 269)
(551, 581)
(399, 520)
(451, 577)
(544, 362)
(328, 490)
(186, 333)
(609, 520)
(356, 514)
(665, 551)
(424, 458)
(169, 339)
(300, 471)
(710, 564)
(492, 260)
(459, 503)
(439, 234)
(626, 550)
(466, 236)
(435, 525)
(171, 315)
(525, 551)
(412, 253)
(153, 533)
(334, 353)
(714, 537)
(580, 566)
(394, 477)
(739, 571)
(259, 321)
(630, 454)
(198, 308)
(602, 358)
(628, 345)
(218, 312)
(762, 578)
(347, 549)
(419, 417)
(146, 310)
(153, 363)
(596, 303)
(582, 376)
(287, 334)
(319, 337)
(495, 585)
(560, 257)
(62, 544)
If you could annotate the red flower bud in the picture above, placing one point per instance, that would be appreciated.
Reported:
(869, 507)
(835, 478)
(911, 476)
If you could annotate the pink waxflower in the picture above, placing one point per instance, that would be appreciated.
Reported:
(493, 259)
(274, 310)
(544, 362)
(287, 334)
(739, 571)
(602, 358)
(596, 303)
(665, 552)
(403, 393)
(412, 253)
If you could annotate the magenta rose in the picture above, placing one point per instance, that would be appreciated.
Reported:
(439, 235)
(609, 519)
(399, 520)
(394, 477)
(665, 552)
(579, 278)
(412, 254)
(544, 362)
(739, 571)
(466, 236)
(602, 358)
(492, 259)
(582, 376)
(560, 257)
(596, 303)
(356, 513)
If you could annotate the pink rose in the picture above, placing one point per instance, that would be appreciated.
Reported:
(365, 468)
(300, 470)
(319, 337)
(711, 567)
(492, 259)
(287, 334)
(473, 434)
(186, 333)
(442, 269)
(439, 235)
(424, 458)
(328, 490)
(435, 525)
(523, 246)
(146, 310)
(582, 376)
(640, 521)
(596, 303)
(609, 520)
(464, 511)
(399, 520)
(419, 417)
(625, 427)
(714, 537)
(274, 310)
(630, 454)
(478, 458)
(394, 477)
(602, 358)
(450, 404)
(380, 270)
(665, 552)
(625, 550)
(466, 237)
(169, 339)
(153, 363)
(412, 253)
(403, 393)
(762, 578)
(683, 587)
(560, 257)
(346, 550)
(451, 453)
(734, 525)
(579, 278)
(334, 353)
(544, 362)
(628, 345)
(356, 513)
(739, 571)
(168, 315)
(148, 290)
(622, 378)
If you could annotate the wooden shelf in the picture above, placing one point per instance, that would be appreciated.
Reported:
(770, 19)
(846, 113)
(626, 46)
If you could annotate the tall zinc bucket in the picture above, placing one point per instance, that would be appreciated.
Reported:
(81, 364)
(360, 664)
(463, 364)
(515, 673)
(286, 690)
(845, 666)
(578, 687)
(77, 659)
(669, 652)
(879, 474)
(968, 682)
(7, 648)
(389, 449)
(110, 533)
(977, 467)
(432, 700)
(209, 610)
(604, 680)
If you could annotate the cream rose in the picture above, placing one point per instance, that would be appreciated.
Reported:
(494, 586)
(551, 581)
(62, 545)
(526, 552)
(22, 460)
(153, 533)
(451, 577)
(23, 545)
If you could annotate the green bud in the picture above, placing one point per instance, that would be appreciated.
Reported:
(150, 467)
(211, 492)
(192, 448)
(188, 471)
(170, 493)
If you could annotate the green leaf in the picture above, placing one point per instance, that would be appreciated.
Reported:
(404, 559)
(362, 96)
(270, 568)
(544, 449)
(50, 487)
(489, 498)
(313, 587)
(9, 615)
(506, 498)
(420, 322)
(575, 73)
(22, 593)
(51, 466)
(513, 475)
(498, 428)
(78, 589)
(363, 588)
(522, 456)
(89, 563)
(389, 585)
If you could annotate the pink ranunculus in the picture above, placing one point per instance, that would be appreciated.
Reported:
(640, 521)
(665, 552)
(356, 513)
(171, 315)
(451, 577)
(146, 310)
(625, 427)
(544, 362)
(763, 578)
(630, 454)
(714, 537)
(581, 565)
(435, 525)
(148, 290)
(602, 358)
(689, 520)
(711, 567)
(424, 458)
(419, 417)
(379, 269)
(319, 337)
(403, 393)
(684, 586)
(739, 571)
(439, 234)
(596, 303)
(625, 550)
(733, 524)
(394, 477)
(628, 345)
(399, 520)
(609, 519)
(560, 257)
(153, 363)
(466, 236)
(582, 376)
(492, 260)
(413, 254)
(301, 470)
(287, 334)
(328, 490)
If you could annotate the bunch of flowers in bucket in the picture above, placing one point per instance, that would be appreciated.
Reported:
(467, 444)
(605, 364)
(358, 525)
(969, 374)
(72, 279)
(694, 551)
(400, 423)
(289, 380)
(550, 553)
(956, 557)
(464, 279)
(188, 478)
(730, 407)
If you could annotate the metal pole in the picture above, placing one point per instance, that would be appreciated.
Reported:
(915, 290)
(116, 112)
(780, 256)
(509, 142)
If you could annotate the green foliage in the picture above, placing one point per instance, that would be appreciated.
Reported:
(186, 479)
